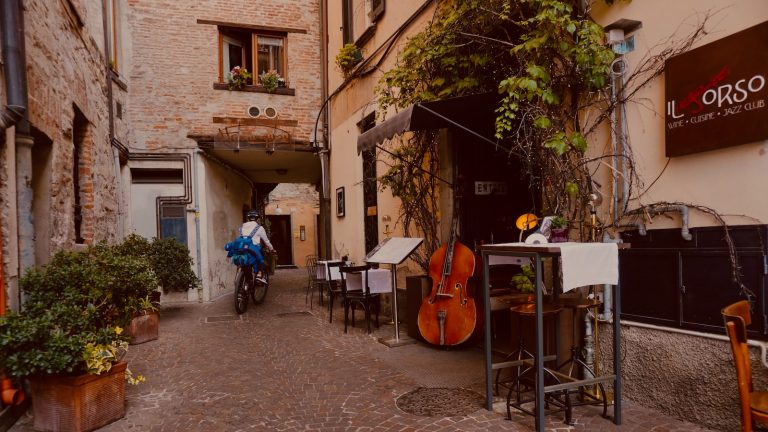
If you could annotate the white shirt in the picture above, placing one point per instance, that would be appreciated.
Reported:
(261, 233)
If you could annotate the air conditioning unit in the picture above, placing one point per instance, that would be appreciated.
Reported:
(254, 111)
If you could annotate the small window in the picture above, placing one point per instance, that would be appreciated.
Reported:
(258, 52)
(270, 54)
(173, 222)
(157, 175)
(235, 51)
(358, 18)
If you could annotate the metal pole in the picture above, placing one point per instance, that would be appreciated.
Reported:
(394, 303)
(617, 353)
(539, 348)
(487, 334)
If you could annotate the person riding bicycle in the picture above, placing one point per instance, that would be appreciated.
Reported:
(251, 228)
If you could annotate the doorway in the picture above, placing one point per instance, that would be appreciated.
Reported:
(495, 192)
(280, 236)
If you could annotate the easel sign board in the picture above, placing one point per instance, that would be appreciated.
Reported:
(393, 250)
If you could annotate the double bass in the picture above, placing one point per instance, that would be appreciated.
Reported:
(448, 315)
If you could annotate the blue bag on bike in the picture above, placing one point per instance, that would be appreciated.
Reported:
(243, 252)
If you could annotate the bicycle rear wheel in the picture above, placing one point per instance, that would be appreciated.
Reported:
(259, 291)
(242, 286)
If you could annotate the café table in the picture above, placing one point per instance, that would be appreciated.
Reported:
(322, 270)
(582, 264)
(380, 281)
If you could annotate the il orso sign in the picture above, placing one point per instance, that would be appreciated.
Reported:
(717, 95)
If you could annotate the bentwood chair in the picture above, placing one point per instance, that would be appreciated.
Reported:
(754, 404)
(313, 282)
(363, 298)
(333, 286)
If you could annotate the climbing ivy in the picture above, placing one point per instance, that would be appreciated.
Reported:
(547, 61)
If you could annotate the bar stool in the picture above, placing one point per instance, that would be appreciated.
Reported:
(523, 310)
(571, 365)
(549, 312)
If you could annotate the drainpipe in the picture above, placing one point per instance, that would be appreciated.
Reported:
(615, 166)
(14, 113)
(325, 191)
(198, 248)
(667, 208)
(111, 115)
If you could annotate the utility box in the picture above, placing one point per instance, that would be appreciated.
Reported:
(417, 289)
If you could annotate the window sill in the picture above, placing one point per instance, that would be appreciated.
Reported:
(285, 91)
(118, 80)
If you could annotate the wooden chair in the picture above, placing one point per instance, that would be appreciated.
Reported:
(754, 404)
(363, 298)
(332, 286)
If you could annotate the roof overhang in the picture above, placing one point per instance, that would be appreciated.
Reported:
(264, 165)
(474, 114)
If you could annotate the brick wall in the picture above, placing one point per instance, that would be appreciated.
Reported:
(176, 62)
(65, 73)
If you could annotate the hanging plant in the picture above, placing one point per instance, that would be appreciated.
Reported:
(347, 58)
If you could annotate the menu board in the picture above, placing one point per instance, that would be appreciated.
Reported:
(393, 250)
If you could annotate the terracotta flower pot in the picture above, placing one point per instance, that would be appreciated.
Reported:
(143, 328)
(78, 403)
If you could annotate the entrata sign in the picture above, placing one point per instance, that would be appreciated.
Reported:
(717, 95)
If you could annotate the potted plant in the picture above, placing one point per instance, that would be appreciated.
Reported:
(145, 325)
(347, 58)
(559, 229)
(238, 78)
(269, 80)
(523, 281)
(68, 339)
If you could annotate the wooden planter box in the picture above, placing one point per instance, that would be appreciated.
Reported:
(143, 328)
(80, 403)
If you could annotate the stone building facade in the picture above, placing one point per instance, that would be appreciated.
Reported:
(673, 353)
(58, 185)
(200, 151)
(133, 128)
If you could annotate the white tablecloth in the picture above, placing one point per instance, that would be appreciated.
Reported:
(322, 270)
(581, 263)
(380, 281)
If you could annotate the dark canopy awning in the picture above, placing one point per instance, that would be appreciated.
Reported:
(474, 114)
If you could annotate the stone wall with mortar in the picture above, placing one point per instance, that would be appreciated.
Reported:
(66, 75)
(176, 63)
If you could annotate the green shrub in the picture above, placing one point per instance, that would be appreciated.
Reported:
(169, 259)
(75, 308)
(172, 265)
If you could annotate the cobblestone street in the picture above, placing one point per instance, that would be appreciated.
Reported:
(282, 366)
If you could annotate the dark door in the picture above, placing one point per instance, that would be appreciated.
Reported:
(280, 226)
(494, 193)
(370, 200)
(370, 207)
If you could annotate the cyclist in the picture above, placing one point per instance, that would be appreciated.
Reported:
(251, 228)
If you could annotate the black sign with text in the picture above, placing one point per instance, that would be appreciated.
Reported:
(716, 95)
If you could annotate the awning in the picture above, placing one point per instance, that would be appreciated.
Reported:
(474, 114)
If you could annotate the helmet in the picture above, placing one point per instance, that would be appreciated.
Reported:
(252, 215)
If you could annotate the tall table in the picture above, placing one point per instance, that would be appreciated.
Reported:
(393, 251)
(582, 264)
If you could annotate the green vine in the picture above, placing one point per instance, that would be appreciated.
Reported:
(546, 59)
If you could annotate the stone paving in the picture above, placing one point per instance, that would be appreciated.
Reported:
(283, 367)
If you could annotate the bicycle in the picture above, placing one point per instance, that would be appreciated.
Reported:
(250, 284)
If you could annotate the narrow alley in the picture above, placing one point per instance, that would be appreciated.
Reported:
(282, 367)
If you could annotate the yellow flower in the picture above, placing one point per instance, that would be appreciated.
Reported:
(118, 330)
